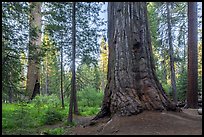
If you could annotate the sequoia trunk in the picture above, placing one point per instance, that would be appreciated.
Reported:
(192, 92)
(33, 85)
(132, 84)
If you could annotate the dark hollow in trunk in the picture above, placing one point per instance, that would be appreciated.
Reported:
(36, 89)
(132, 82)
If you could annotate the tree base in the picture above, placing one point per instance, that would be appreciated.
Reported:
(106, 113)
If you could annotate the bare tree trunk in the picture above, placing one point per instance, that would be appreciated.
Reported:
(62, 96)
(10, 94)
(32, 86)
(132, 83)
(76, 111)
(46, 77)
(10, 90)
(192, 92)
(171, 52)
(73, 80)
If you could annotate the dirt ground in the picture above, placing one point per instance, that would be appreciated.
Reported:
(187, 122)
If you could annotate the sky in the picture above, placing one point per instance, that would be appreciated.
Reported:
(104, 15)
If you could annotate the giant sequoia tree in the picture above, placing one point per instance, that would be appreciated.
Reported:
(192, 93)
(33, 85)
(132, 84)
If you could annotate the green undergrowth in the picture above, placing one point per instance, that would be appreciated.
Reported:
(24, 117)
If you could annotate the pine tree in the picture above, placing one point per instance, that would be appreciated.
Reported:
(49, 67)
(73, 81)
(14, 42)
(171, 54)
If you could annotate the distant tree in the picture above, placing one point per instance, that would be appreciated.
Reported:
(169, 50)
(50, 66)
(171, 54)
(14, 43)
(61, 64)
(192, 92)
(73, 80)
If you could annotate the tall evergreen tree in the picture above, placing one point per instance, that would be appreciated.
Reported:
(171, 54)
(73, 81)
(33, 81)
(192, 92)
(14, 42)
(49, 67)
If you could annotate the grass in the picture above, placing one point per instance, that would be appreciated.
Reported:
(29, 118)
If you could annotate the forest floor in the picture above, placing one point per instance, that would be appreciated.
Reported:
(187, 122)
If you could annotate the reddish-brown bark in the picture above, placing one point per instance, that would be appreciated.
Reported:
(132, 83)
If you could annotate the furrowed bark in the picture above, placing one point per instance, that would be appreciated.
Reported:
(33, 85)
(132, 82)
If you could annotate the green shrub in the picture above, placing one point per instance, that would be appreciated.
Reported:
(44, 101)
(52, 116)
(182, 86)
(90, 97)
(41, 110)
(167, 88)
(18, 116)
(89, 111)
(7, 115)
(89, 101)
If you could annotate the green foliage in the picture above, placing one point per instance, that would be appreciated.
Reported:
(48, 109)
(167, 88)
(49, 67)
(182, 86)
(7, 115)
(41, 110)
(89, 111)
(14, 41)
(87, 75)
(52, 116)
(46, 101)
(89, 101)
(18, 115)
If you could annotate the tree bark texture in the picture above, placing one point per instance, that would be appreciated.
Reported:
(32, 86)
(192, 92)
(76, 111)
(132, 84)
(73, 80)
(171, 52)
(46, 78)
